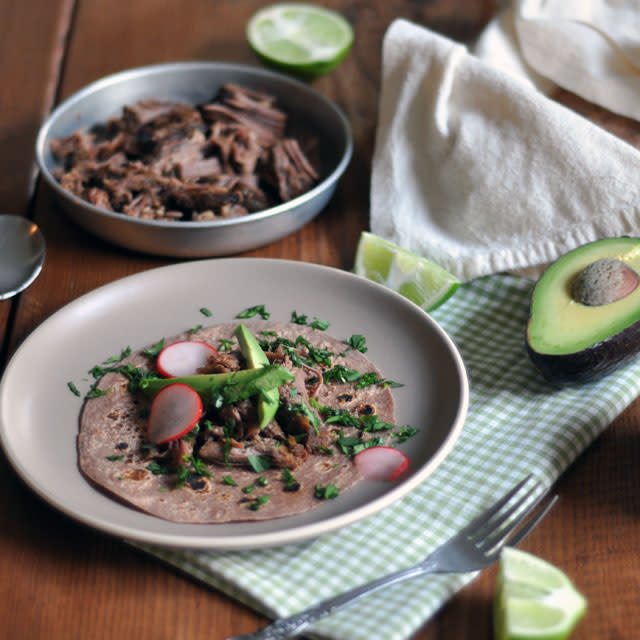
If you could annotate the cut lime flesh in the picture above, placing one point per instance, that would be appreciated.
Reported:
(302, 38)
(534, 600)
(416, 278)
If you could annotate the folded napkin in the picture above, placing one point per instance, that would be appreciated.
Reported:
(481, 172)
(589, 47)
(517, 424)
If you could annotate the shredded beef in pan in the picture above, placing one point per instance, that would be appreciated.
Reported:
(173, 161)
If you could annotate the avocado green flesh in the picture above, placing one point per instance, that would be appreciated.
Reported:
(558, 324)
(255, 357)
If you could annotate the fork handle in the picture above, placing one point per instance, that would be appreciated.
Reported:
(290, 627)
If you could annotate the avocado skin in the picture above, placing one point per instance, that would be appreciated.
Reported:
(590, 364)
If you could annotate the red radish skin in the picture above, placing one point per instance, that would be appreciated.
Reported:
(184, 358)
(175, 410)
(381, 463)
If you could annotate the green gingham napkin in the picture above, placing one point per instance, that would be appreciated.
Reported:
(517, 424)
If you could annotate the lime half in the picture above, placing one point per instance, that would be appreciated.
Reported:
(422, 281)
(534, 600)
(302, 38)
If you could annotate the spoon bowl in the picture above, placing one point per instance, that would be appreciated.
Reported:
(22, 251)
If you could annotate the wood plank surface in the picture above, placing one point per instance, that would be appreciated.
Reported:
(27, 91)
(60, 580)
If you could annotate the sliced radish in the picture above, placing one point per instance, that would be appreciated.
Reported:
(381, 463)
(175, 410)
(184, 358)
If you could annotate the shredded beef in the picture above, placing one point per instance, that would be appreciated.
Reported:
(167, 160)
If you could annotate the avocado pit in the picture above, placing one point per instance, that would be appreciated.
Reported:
(584, 316)
(604, 281)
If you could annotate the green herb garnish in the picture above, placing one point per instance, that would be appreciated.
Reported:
(225, 345)
(290, 483)
(73, 388)
(404, 433)
(258, 502)
(154, 350)
(158, 469)
(358, 342)
(340, 373)
(259, 463)
(321, 325)
(326, 492)
(258, 309)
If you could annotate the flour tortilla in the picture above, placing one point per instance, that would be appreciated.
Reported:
(112, 454)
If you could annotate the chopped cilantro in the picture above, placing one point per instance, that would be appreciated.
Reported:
(195, 329)
(290, 483)
(374, 423)
(368, 379)
(182, 475)
(302, 408)
(261, 481)
(322, 325)
(340, 373)
(94, 392)
(206, 312)
(230, 481)
(404, 433)
(126, 352)
(115, 458)
(358, 342)
(259, 463)
(154, 350)
(225, 345)
(258, 502)
(342, 417)
(258, 309)
(326, 492)
(316, 323)
(73, 388)
(199, 467)
(158, 469)
(352, 445)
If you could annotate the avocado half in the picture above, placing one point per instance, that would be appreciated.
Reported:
(569, 341)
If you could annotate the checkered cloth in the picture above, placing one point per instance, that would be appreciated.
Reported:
(517, 424)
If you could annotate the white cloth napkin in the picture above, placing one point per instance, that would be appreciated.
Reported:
(590, 47)
(476, 168)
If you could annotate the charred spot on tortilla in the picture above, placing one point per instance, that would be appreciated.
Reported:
(227, 468)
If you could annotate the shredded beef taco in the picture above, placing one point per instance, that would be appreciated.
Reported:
(334, 403)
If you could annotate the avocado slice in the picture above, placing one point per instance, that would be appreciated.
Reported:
(255, 357)
(233, 386)
(569, 337)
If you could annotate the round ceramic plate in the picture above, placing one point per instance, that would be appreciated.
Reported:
(39, 414)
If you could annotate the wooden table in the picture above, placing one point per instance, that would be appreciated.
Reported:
(59, 579)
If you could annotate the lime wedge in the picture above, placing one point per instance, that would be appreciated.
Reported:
(416, 278)
(302, 38)
(534, 600)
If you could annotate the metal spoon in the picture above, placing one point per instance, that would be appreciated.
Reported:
(22, 249)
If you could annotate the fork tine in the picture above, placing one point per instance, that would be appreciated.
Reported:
(503, 522)
(512, 530)
(531, 524)
(485, 516)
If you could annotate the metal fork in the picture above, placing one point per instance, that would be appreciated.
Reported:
(475, 547)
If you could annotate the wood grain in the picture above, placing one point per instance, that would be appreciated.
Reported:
(60, 580)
